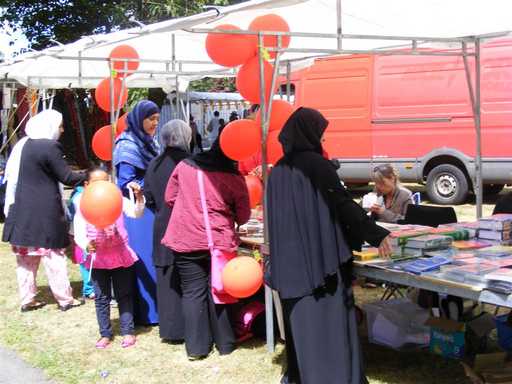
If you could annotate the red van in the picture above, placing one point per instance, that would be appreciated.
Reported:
(414, 112)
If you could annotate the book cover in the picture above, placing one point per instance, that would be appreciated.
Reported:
(499, 222)
(469, 244)
(487, 234)
(429, 241)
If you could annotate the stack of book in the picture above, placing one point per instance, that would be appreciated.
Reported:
(500, 280)
(470, 274)
(366, 254)
(417, 246)
(496, 229)
(399, 239)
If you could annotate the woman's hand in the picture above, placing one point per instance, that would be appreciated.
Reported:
(385, 249)
(137, 190)
(378, 209)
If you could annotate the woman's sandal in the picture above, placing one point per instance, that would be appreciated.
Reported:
(32, 306)
(75, 303)
(128, 341)
(103, 343)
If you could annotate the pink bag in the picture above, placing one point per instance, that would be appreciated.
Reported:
(219, 257)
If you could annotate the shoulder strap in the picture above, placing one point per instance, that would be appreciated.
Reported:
(200, 182)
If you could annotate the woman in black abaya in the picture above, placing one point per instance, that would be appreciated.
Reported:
(314, 225)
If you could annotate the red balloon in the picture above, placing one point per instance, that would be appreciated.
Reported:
(271, 23)
(248, 80)
(124, 52)
(102, 94)
(121, 125)
(230, 50)
(101, 203)
(274, 147)
(279, 115)
(102, 143)
(242, 277)
(255, 189)
(240, 139)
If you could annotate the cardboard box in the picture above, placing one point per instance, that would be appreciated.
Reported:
(490, 368)
(447, 337)
(454, 339)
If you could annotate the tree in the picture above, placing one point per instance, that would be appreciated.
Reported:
(68, 20)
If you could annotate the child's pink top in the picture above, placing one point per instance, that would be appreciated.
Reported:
(112, 248)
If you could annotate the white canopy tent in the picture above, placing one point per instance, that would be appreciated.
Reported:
(173, 51)
(171, 47)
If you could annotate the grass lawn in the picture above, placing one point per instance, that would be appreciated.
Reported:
(62, 344)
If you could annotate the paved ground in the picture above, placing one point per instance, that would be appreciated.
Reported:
(13, 370)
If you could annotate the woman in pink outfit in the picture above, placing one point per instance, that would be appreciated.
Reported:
(110, 259)
(227, 202)
(36, 224)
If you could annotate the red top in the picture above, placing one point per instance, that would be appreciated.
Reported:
(227, 199)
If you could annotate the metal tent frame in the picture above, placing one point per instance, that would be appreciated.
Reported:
(470, 46)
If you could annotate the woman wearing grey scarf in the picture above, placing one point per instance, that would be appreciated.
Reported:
(175, 137)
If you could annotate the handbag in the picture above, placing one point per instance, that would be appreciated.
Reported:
(219, 257)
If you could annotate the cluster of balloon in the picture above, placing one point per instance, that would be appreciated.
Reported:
(242, 277)
(102, 139)
(101, 204)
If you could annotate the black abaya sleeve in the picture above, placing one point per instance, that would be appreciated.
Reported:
(58, 166)
(357, 225)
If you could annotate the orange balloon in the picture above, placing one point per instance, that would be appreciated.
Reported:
(101, 203)
(102, 94)
(279, 115)
(102, 143)
(124, 52)
(121, 125)
(230, 50)
(255, 189)
(271, 23)
(274, 147)
(242, 277)
(240, 139)
(248, 80)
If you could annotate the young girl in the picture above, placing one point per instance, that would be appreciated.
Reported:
(111, 260)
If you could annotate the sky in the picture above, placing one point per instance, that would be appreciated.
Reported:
(8, 36)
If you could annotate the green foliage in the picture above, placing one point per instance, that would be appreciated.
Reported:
(209, 84)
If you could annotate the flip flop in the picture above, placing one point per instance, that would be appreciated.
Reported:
(103, 343)
(128, 341)
(32, 306)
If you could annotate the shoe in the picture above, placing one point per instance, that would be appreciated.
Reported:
(103, 343)
(75, 303)
(196, 357)
(128, 341)
(32, 306)
(172, 342)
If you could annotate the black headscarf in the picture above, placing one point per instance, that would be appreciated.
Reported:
(214, 160)
(313, 221)
(303, 131)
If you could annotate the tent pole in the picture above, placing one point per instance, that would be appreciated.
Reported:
(80, 68)
(178, 98)
(269, 307)
(112, 119)
(478, 121)
(288, 84)
(339, 26)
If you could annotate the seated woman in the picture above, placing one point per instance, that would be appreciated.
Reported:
(396, 197)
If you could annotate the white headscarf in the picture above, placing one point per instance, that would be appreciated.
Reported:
(44, 125)
(176, 133)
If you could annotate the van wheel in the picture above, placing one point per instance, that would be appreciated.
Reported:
(493, 189)
(447, 185)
